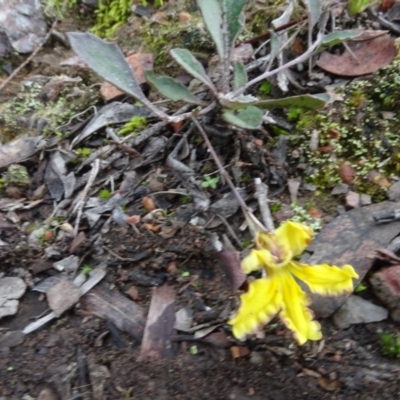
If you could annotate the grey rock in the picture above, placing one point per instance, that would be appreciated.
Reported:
(11, 339)
(394, 191)
(341, 188)
(352, 200)
(23, 23)
(365, 199)
(11, 288)
(356, 310)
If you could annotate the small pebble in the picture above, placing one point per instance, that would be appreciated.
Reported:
(256, 358)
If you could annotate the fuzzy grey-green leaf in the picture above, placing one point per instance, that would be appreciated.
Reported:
(187, 61)
(246, 118)
(239, 75)
(314, 10)
(303, 101)
(107, 60)
(337, 37)
(212, 16)
(171, 88)
(233, 10)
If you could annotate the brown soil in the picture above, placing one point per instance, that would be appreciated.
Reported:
(67, 354)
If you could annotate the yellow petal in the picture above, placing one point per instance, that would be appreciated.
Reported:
(258, 306)
(294, 237)
(325, 279)
(255, 260)
(295, 314)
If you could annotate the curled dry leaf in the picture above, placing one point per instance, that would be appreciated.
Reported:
(153, 228)
(133, 219)
(148, 204)
(361, 57)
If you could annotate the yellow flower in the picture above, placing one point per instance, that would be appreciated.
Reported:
(279, 292)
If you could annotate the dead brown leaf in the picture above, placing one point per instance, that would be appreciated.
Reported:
(139, 63)
(361, 57)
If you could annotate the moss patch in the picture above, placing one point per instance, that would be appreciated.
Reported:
(362, 129)
(26, 113)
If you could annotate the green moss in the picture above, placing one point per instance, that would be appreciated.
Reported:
(110, 15)
(390, 344)
(159, 39)
(16, 175)
(302, 215)
(355, 130)
(21, 114)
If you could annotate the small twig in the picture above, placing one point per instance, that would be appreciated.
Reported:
(193, 279)
(117, 256)
(353, 56)
(29, 59)
(82, 201)
(228, 227)
(262, 197)
(265, 75)
(267, 35)
(76, 116)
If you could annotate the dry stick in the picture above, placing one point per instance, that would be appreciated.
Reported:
(82, 201)
(29, 59)
(267, 35)
(262, 197)
(267, 74)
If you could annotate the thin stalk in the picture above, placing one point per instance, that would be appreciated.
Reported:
(221, 168)
(275, 71)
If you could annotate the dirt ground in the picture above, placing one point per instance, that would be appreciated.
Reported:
(79, 355)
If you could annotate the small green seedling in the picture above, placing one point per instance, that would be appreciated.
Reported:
(184, 199)
(294, 113)
(265, 88)
(185, 274)
(390, 344)
(83, 152)
(210, 182)
(193, 350)
(275, 207)
(246, 243)
(105, 194)
(86, 270)
(361, 287)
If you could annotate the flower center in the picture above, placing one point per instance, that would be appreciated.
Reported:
(279, 255)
